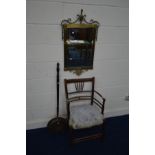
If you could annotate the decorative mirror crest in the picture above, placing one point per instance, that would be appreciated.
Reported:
(81, 19)
(79, 43)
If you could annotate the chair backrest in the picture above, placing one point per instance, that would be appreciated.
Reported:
(77, 89)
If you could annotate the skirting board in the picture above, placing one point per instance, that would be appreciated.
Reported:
(43, 123)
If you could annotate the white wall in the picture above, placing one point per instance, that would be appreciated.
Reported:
(45, 48)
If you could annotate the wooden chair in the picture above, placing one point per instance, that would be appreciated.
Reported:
(88, 110)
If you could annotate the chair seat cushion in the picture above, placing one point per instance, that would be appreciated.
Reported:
(85, 116)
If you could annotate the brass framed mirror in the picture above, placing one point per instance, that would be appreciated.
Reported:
(79, 43)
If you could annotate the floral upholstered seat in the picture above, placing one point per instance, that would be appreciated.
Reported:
(85, 116)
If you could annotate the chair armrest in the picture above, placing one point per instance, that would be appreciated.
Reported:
(99, 95)
(98, 103)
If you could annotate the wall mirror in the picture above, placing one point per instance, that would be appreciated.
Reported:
(79, 43)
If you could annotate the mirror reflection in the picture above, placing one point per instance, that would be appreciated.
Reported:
(79, 37)
(85, 34)
(79, 47)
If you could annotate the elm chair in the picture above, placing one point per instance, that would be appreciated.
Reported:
(85, 109)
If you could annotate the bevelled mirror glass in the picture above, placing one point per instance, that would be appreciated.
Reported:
(79, 44)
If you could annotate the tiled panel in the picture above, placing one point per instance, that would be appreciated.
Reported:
(44, 113)
(104, 82)
(41, 85)
(41, 70)
(117, 3)
(37, 70)
(29, 116)
(39, 100)
(116, 112)
(44, 53)
(43, 34)
(116, 104)
(107, 16)
(42, 105)
(43, 12)
(111, 51)
(109, 35)
(111, 69)
(116, 92)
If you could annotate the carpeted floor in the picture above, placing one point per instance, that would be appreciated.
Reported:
(116, 141)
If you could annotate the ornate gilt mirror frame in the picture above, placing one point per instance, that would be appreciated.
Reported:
(79, 43)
